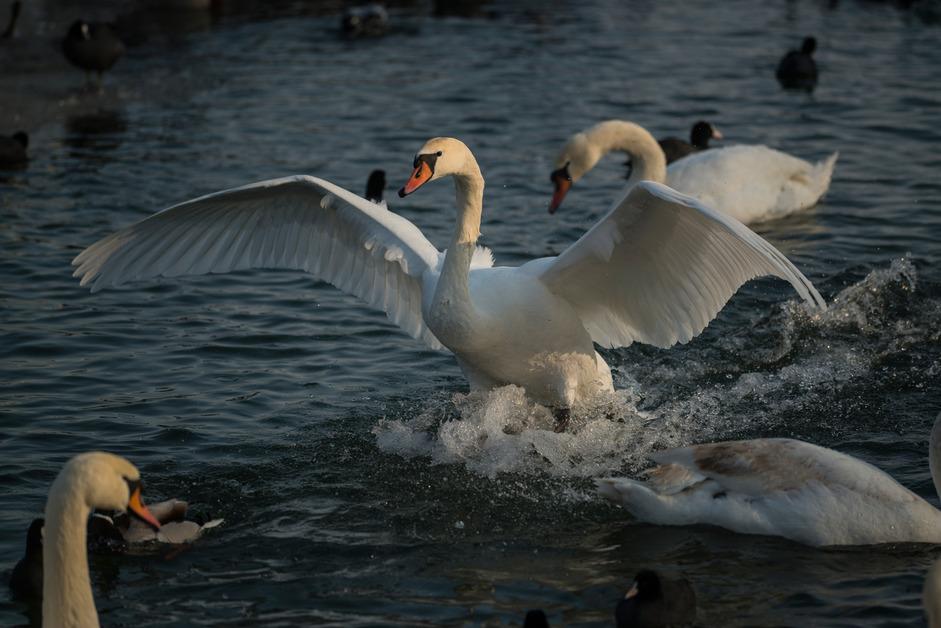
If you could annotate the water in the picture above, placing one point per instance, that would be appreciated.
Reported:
(360, 484)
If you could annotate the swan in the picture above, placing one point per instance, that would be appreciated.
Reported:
(656, 270)
(931, 595)
(749, 183)
(674, 148)
(797, 69)
(782, 487)
(92, 46)
(87, 481)
(653, 601)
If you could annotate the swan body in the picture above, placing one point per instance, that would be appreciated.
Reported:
(748, 182)
(87, 481)
(656, 269)
(782, 487)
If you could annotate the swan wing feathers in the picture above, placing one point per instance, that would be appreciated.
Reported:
(762, 466)
(299, 222)
(660, 266)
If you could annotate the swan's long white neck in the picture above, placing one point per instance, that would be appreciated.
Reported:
(647, 158)
(452, 294)
(934, 454)
(67, 596)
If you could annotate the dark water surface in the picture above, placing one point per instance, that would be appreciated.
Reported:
(359, 485)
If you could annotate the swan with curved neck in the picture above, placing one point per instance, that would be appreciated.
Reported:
(86, 482)
(656, 270)
(750, 183)
(782, 487)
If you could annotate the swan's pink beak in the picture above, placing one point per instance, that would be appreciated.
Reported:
(420, 176)
(136, 506)
(716, 135)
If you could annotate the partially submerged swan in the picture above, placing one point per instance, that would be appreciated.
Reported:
(87, 481)
(749, 183)
(656, 269)
(782, 487)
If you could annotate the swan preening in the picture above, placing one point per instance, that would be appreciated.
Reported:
(87, 481)
(782, 487)
(656, 269)
(749, 183)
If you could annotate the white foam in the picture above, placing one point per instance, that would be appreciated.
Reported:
(678, 399)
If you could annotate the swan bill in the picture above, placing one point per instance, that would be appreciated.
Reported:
(420, 176)
(563, 182)
(137, 507)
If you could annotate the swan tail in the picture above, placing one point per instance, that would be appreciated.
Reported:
(822, 173)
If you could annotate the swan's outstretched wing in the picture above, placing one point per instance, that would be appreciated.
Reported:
(660, 266)
(762, 466)
(300, 223)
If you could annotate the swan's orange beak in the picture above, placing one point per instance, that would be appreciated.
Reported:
(562, 182)
(420, 175)
(136, 506)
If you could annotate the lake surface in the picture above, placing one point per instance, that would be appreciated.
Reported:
(359, 483)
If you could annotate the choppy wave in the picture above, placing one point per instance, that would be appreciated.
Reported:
(767, 373)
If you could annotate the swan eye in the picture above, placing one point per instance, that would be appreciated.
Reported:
(439, 153)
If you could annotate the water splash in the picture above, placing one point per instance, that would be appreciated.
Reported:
(765, 378)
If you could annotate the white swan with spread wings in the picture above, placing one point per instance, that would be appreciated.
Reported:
(656, 269)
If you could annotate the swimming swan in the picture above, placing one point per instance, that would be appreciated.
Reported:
(749, 183)
(782, 487)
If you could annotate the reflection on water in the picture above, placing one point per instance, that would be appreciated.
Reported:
(92, 135)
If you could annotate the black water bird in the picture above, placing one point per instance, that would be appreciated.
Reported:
(11, 25)
(26, 579)
(371, 20)
(375, 186)
(536, 619)
(797, 69)
(13, 150)
(654, 601)
(674, 148)
(92, 47)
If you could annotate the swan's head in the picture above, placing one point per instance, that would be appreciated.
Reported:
(578, 156)
(106, 482)
(439, 157)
